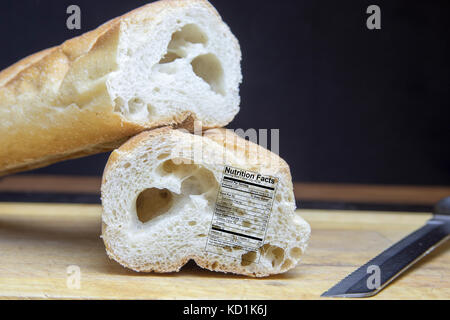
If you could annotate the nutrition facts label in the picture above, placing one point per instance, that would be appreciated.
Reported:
(242, 212)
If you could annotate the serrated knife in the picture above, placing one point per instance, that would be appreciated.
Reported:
(376, 274)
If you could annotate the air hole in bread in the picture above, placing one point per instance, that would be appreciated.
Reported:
(192, 223)
(196, 180)
(134, 109)
(153, 202)
(162, 156)
(208, 67)
(286, 264)
(263, 249)
(169, 57)
(178, 167)
(277, 256)
(295, 253)
(136, 106)
(200, 182)
(169, 166)
(179, 43)
(273, 253)
(248, 258)
(189, 33)
(118, 104)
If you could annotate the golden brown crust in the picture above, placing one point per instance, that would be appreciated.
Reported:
(104, 147)
(45, 117)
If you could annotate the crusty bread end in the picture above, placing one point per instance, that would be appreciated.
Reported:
(155, 66)
(157, 209)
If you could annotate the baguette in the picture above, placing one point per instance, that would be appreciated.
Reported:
(159, 199)
(167, 63)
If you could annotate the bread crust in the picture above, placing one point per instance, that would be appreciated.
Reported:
(44, 119)
(229, 141)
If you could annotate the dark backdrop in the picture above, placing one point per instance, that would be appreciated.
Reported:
(352, 105)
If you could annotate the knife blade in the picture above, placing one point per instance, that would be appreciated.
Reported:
(376, 274)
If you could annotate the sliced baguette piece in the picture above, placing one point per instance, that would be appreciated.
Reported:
(166, 63)
(159, 191)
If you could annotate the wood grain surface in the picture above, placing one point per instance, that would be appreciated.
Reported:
(38, 242)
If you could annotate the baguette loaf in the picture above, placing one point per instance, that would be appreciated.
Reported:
(166, 63)
(159, 198)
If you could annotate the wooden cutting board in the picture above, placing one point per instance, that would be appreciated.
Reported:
(38, 242)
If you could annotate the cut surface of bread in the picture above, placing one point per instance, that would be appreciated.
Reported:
(162, 64)
(159, 193)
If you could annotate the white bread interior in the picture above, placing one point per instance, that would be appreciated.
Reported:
(158, 203)
(158, 65)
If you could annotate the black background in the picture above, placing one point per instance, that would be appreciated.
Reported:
(352, 104)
